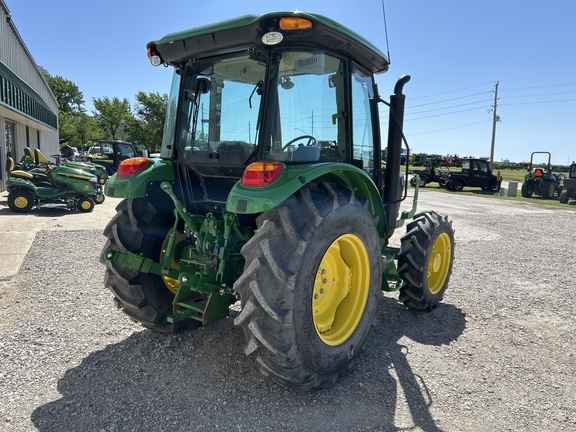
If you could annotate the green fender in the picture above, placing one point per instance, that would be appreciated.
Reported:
(135, 185)
(250, 200)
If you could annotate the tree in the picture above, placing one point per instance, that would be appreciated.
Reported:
(70, 98)
(86, 128)
(146, 128)
(70, 107)
(111, 114)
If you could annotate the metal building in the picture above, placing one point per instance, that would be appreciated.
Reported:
(28, 108)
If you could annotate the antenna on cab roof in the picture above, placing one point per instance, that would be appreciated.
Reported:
(386, 32)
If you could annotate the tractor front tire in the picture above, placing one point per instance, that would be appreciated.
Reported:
(458, 185)
(564, 196)
(425, 260)
(137, 227)
(99, 198)
(526, 191)
(421, 182)
(310, 286)
(85, 204)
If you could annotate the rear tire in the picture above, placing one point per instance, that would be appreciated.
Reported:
(137, 227)
(425, 260)
(20, 201)
(305, 327)
(564, 196)
(494, 186)
(548, 189)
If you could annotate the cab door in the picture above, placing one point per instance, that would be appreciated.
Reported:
(479, 173)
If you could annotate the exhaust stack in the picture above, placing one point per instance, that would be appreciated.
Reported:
(393, 187)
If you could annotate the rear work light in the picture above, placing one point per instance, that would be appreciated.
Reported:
(129, 167)
(261, 173)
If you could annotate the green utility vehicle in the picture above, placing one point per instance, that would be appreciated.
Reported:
(569, 186)
(110, 153)
(474, 173)
(541, 181)
(269, 190)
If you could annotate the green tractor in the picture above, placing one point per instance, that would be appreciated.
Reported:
(541, 181)
(569, 186)
(269, 190)
(110, 153)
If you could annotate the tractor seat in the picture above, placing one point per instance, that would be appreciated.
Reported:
(16, 173)
(39, 157)
(29, 153)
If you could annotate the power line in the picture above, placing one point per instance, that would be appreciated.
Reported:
(451, 106)
(537, 95)
(438, 115)
(539, 102)
(536, 87)
(447, 100)
(455, 127)
(452, 91)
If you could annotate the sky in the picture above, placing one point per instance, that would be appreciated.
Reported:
(456, 52)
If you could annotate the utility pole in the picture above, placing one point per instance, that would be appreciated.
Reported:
(495, 119)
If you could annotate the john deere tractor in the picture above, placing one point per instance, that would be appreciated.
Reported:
(541, 181)
(270, 191)
(569, 186)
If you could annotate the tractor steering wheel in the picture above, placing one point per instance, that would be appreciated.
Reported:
(312, 142)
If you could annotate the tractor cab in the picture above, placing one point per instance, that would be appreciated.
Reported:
(272, 98)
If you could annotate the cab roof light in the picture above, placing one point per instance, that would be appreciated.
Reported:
(155, 59)
(131, 166)
(293, 23)
(261, 174)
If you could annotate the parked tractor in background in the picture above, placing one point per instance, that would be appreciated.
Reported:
(244, 205)
(541, 181)
(109, 153)
(431, 174)
(569, 187)
(474, 173)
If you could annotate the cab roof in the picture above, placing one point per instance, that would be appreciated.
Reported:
(246, 32)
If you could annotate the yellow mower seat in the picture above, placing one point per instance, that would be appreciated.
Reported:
(16, 173)
(39, 157)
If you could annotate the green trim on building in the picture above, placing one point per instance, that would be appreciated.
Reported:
(19, 96)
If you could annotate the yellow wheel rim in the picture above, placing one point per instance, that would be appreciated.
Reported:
(341, 290)
(86, 205)
(171, 284)
(21, 202)
(99, 198)
(439, 263)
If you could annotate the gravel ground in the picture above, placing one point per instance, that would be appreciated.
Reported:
(497, 355)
